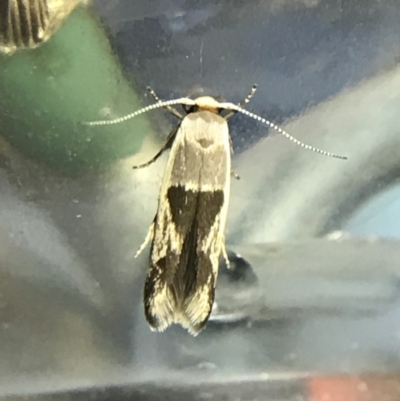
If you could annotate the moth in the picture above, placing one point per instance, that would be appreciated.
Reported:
(187, 234)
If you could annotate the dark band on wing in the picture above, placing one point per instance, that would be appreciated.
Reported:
(188, 205)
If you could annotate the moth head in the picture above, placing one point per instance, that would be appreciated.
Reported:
(204, 103)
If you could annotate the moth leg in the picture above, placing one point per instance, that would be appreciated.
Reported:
(152, 160)
(231, 144)
(225, 255)
(149, 237)
(237, 176)
(165, 147)
(169, 108)
(249, 96)
(244, 102)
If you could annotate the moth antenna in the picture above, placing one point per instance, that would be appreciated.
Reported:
(233, 107)
(184, 100)
(169, 108)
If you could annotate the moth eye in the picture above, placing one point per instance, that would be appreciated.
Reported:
(190, 109)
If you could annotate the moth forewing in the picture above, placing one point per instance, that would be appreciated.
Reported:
(189, 226)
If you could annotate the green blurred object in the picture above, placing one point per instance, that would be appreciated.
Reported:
(47, 93)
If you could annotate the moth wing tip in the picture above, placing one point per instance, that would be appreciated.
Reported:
(156, 324)
(195, 329)
(197, 311)
(162, 311)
